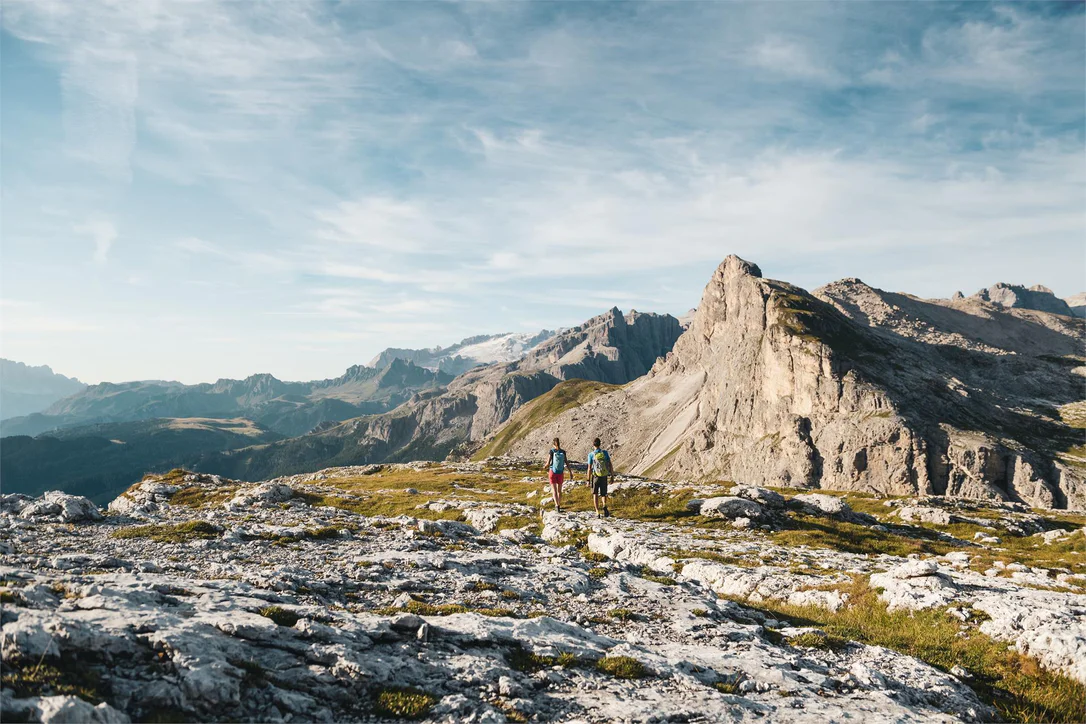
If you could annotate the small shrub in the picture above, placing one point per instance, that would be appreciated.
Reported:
(700, 613)
(280, 615)
(597, 572)
(622, 614)
(510, 595)
(594, 557)
(403, 702)
(622, 667)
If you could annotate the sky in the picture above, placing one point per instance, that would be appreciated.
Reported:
(198, 190)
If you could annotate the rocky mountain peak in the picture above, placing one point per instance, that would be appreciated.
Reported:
(734, 266)
(1015, 296)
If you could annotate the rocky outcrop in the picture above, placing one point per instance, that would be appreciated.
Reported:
(1077, 303)
(1036, 297)
(849, 388)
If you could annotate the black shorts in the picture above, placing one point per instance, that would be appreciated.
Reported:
(599, 485)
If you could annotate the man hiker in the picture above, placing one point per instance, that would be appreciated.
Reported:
(556, 468)
(599, 471)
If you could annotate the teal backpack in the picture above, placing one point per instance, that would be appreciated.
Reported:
(558, 461)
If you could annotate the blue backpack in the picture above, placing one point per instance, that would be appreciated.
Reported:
(558, 461)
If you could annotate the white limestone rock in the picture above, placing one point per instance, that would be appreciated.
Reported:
(731, 507)
(61, 508)
(263, 495)
(822, 504)
(922, 514)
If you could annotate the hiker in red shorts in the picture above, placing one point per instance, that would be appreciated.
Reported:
(556, 469)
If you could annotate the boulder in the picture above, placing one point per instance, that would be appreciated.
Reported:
(261, 495)
(762, 496)
(61, 507)
(922, 514)
(731, 507)
(822, 504)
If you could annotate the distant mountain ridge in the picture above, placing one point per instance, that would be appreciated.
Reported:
(101, 460)
(470, 352)
(1016, 296)
(25, 389)
(289, 408)
(610, 348)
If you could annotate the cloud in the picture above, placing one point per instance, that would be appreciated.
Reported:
(789, 58)
(440, 165)
(103, 232)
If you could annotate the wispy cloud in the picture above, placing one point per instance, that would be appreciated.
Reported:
(456, 168)
(102, 232)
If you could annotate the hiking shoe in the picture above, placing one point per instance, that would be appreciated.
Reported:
(606, 513)
(558, 509)
(598, 514)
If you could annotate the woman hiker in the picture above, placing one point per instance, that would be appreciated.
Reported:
(556, 469)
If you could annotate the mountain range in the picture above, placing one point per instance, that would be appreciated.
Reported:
(25, 390)
(288, 408)
(847, 387)
(471, 352)
(611, 348)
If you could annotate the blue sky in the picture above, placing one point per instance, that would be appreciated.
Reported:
(195, 190)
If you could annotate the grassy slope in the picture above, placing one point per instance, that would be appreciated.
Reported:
(540, 411)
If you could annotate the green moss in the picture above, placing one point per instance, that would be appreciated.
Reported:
(597, 572)
(166, 533)
(622, 667)
(649, 575)
(622, 614)
(520, 659)
(403, 702)
(202, 496)
(280, 615)
(812, 640)
(700, 612)
(819, 532)
(537, 413)
(62, 677)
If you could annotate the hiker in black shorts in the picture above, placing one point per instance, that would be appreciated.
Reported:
(600, 471)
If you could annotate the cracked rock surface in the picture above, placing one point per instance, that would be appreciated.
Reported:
(260, 606)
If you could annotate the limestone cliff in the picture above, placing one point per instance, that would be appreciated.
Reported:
(851, 388)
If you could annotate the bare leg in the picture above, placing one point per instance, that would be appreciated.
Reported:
(603, 499)
(596, 502)
(558, 495)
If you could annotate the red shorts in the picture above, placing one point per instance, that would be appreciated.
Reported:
(555, 478)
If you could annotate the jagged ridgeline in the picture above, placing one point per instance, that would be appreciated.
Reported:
(846, 388)
(612, 348)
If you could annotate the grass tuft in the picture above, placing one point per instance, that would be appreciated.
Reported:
(403, 702)
(622, 667)
(280, 615)
(1014, 684)
(166, 533)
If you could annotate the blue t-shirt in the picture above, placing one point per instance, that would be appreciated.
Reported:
(591, 455)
